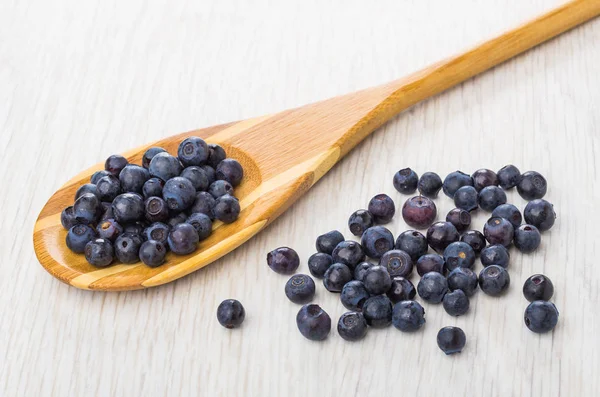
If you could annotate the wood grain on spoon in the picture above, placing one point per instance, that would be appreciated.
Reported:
(284, 154)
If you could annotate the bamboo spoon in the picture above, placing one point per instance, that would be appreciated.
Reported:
(284, 154)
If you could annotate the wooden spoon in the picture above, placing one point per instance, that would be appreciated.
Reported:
(284, 154)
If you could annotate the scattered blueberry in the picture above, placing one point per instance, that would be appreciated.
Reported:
(466, 198)
(108, 187)
(352, 326)
(283, 260)
(397, 263)
(133, 177)
(319, 263)
(454, 181)
(354, 295)
(183, 239)
(127, 247)
(192, 151)
(87, 209)
(179, 194)
(508, 212)
(87, 188)
(532, 186)
(215, 155)
(336, 277)
(152, 253)
(300, 289)
(157, 231)
(149, 155)
(456, 303)
(201, 223)
(509, 176)
(541, 316)
(67, 218)
(109, 229)
(197, 176)
(432, 287)
(227, 209)
(78, 236)
(460, 218)
(313, 322)
(491, 197)
(413, 243)
(419, 212)
(220, 188)
(376, 241)
(231, 171)
(99, 252)
(377, 280)
(153, 188)
(475, 239)
(378, 311)
(459, 254)
(538, 288)
(349, 253)
(408, 316)
(495, 255)
(498, 231)
(382, 208)
(327, 242)
(115, 163)
(97, 175)
(164, 166)
(405, 181)
(360, 221)
(231, 313)
(441, 234)
(483, 178)
(494, 280)
(540, 214)
(463, 278)
(402, 289)
(451, 340)
(128, 208)
(156, 210)
(204, 203)
(429, 184)
(361, 270)
(431, 263)
(527, 238)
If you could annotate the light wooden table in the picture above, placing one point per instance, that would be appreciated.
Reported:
(80, 80)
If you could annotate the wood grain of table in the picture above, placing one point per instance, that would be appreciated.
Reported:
(80, 80)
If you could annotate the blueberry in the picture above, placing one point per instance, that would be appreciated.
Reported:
(527, 238)
(87, 209)
(153, 188)
(376, 241)
(541, 316)
(78, 236)
(408, 316)
(451, 340)
(540, 214)
(440, 235)
(378, 311)
(149, 155)
(352, 326)
(402, 289)
(361, 270)
(491, 197)
(419, 212)
(133, 177)
(220, 188)
(538, 288)
(327, 242)
(109, 229)
(231, 171)
(108, 187)
(152, 253)
(405, 181)
(454, 181)
(216, 154)
(197, 176)
(498, 231)
(495, 255)
(432, 287)
(156, 210)
(463, 278)
(532, 186)
(483, 178)
(179, 194)
(397, 263)
(183, 239)
(360, 221)
(128, 208)
(466, 198)
(134, 228)
(377, 280)
(99, 252)
(413, 243)
(67, 218)
(349, 253)
(164, 166)
(227, 209)
(177, 219)
(508, 212)
(210, 173)
(283, 260)
(127, 247)
(201, 223)
(509, 176)
(430, 184)
(459, 254)
(494, 280)
(204, 203)
(313, 322)
(430, 263)
(115, 163)
(107, 212)
(97, 175)
(460, 218)
(157, 231)
(300, 288)
(319, 263)
(456, 303)
(382, 208)
(354, 295)
(192, 151)
(87, 188)
(231, 313)
(336, 277)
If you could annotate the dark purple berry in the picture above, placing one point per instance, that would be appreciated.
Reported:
(527, 238)
(156, 210)
(157, 231)
(349, 253)
(466, 198)
(408, 316)
(319, 263)
(405, 181)
(108, 187)
(99, 252)
(459, 254)
(419, 212)
(67, 218)
(498, 231)
(336, 277)
(192, 151)
(97, 175)
(378, 311)
(361, 270)
(454, 181)
(460, 218)
(475, 239)
(541, 316)
(354, 295)
(491, 197)
(87, 209)
(220, 188)
(109, 229)
(494, 280)
(432, 287)
(352, 326)
(509, 176)
(313, 322)
(376, 241)
(377, 280)
(227, 209)
(153, 188)
(441, 234)
(216, 154)
(128, 208)
(197, 176)
(183, 239)
(201, 223)
(204, 203)
(300, 289)
(413, 243)
(327, 242)
(164, 166)
(78, 236)
(231, 171)
(397, 263)
(360, 221)
(510, 213)
(532, 186)
(456, 303)
(483, 178)
(540, 214)
(133, 177)
(87, 188)
(451, 340)
(231, 313)
(149, 155)
(177, 219)
(401, 290)
(115, 163)
(429, 184)
(538, 287)
(283, 260)
(210, 173)
(382, 208)
(463, 278)
(430, 263)
(179, 194)
(127, 247)
(152, 253)
(495, 255)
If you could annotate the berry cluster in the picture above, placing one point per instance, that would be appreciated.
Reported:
(130, 212)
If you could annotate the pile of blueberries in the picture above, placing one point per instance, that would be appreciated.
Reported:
(130, 212)
(380, 294)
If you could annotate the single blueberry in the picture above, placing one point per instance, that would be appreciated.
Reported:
(510, 213)
(361, 270)
(463, 278)
(382, 208)
(128, 208)
(419, 212)
(441, 234)
(408, 316)
(231, 313)
(179, 194)
(216, 154)
(431, 263)
(197, 176)
(156, 210)
(527, 238)
(313, 322)
(108, 187)
(459, 254)
(115, 163)
(283, 260)
(204, 203)
(483, 178)
(541, 316)
(336, 277)
(87, 188)
(149, 155)
(461, 219)
(495, 255)
(377, 280)
(454, 181)
(300, 289)
(360, 221)
(231, 171)
(78, 236)
(327, 242)
(405, 181)
(466, 198)
(413, 243)
(319, 263)
(432, 287)
(498, 231)
(354, 295)
(227, 209)
(153, 188)
(152, 253)
(397, 263)
(349, 253)
(494, 280)
(352, 326)
(67, 218)
(509, 176)
(491, 197)
(532, 186)
(133, 177)
(157, 231)
(538, 288)
(220, 188)
(429, 184)
(378, 311)
(451, 340)
(164, 166)
(201, 223)
(99, 252)
(109, 229)
(456, 303)
(402, 289)
(127, 247)
(540, 214)
(183, 239)
(376, 241)
(475, 239)
(192, 151)
(97, 175)
(87, 209)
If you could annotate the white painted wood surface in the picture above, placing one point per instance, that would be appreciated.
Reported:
(80, 80)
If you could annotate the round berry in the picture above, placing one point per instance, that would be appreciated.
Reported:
(97, 175)
(378, 311)
(352, 326)
(99, 252)
(495, 255)
(441, 234)
(201, 223)
(498, 231)
(78, 237)
(313, 322)
(397, 263)
(456, 303)
(183, 239)
(197, 176)
(349, 253)
(67, 218)
(408, 316)
(192, 151)
(336, 277)
(127, 247)
(164, 166)
(402, 289)
(361, 270)
(376, 241)
(454, 181)
(532, 186)
(538, 288)
(133, 177)
(483, 178)
(527, 238)
(231, 313)
(491, 197)
(360, 221)
(540, 214)
(220, 188)
(508, 212)
(283, 260)
(494, 280)
(463, 278)
(109, 229)
(354, 295)
(377, 280)
(87, 188)
(429, 184)
(466, 198)
(153, 188)
(108, 187)
(179, 194)
(319, 263)
(149, 155)
(509, 176)
(227, 209)
(451, 340)
(128, 208)
(382, 208)
(216, 154)
(115, 163)
(431, 263)
(231, 171)
(152, 253)
(541, 316)
(87, 209)
(475, 239)
(413, 243)
(156, 210)
(405, 181)
(432, 287)
(204, 204)
(300, 288)
(327, 242)
(157, 231)
(459, 254)
(461, 219)
(419, 212)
